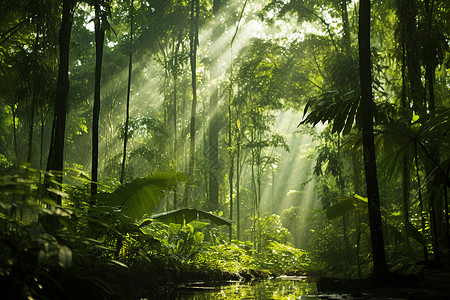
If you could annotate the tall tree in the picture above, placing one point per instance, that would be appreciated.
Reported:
(193, 44)
(379, 258)
(56, 154)
(99, 41)
(127, 116)
(175, 70)
(412, 45)
(33, 97)
(405, 103)
(213, 118)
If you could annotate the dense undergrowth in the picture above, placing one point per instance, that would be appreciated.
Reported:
(87, 249)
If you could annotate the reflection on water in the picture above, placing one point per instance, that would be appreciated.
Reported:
(288, 287)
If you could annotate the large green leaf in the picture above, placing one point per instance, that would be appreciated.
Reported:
(340, 208)
(188, 215)
(143, 195)
(414, 233)
(332, 106)
(346, 205)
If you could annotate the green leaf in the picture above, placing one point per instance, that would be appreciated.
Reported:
(145, 222)
(143, 195)
(414, 233)
(199, 237)
(197, 224)
(64, 256)
(188, 215)
(175, 228)
(121, 264)
(341, 208)
(58, 192)
(360, 198)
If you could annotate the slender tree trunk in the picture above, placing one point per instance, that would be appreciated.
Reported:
(356, 160)
(56, 153)
(379, 258)
(195, 14)
(430, 69)
(408, 15)
(214, 152)
(422, 211)
(166, 97)
(238, 177)
(341, 187)
(41, 148)
(358, 243)
(406, 176)
(437, 201)
(253, 216)
(175, 117)
(447, 217)
(30, 132)
(205, 154)
(258, 198)
(13, 110)
(214, 122)
(405, 188)
(434, 225)
(231, 171)
(33, 101)
(127, 116)
(99, 41)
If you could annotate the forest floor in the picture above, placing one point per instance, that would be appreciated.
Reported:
(430, 283)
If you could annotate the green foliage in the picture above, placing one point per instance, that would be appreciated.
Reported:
(183, 241)
(47, 249)
(272, 230)
(142, 195)
(188, 215)
(143, 126)
(335, 107)
(232, 257)
(346, 205)
(282, 258)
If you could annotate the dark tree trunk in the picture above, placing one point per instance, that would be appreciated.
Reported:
(30, 132)
(422, 210)
(412, 43)
(13, 110)
(430, 69)
(231, 170)
(175, 117)
(447, 217)
(41, 143)
(56, 152)
(33, 100)
(195, 14)
(99, 40)
(379, 257)
(437, 201)
(406, 176)
(127, 116)
(238, 178)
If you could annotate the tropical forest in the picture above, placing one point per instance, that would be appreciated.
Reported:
(224, 149)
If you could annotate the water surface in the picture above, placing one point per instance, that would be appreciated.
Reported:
(285, 287)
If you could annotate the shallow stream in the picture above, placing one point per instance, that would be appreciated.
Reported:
(285, 287)
(280, 288)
